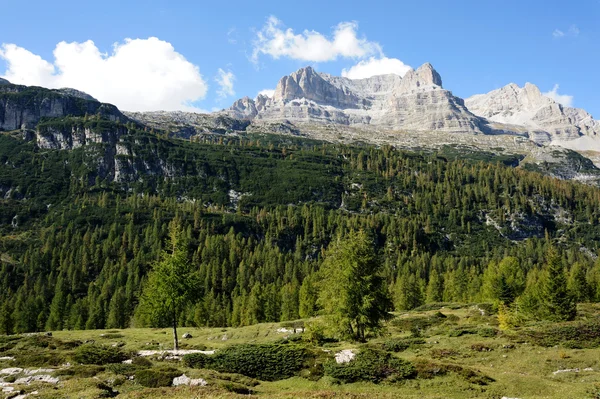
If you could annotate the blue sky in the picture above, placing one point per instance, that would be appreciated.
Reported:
(476, 46)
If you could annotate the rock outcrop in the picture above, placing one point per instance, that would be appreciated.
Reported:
(415, 102)
(4, 82)
(526, 108)
(22, 107)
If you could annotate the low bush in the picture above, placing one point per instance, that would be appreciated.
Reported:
(237, 388)
(459, 332)
(111, 336)
(487, 332)
(155, 378)
(400, 345)
(99, 354)
(573, 335)
(443, 353)
(29, 359)
(268, 362)
(82, 371)
(426, 369)
(371, 365)
(419, 322)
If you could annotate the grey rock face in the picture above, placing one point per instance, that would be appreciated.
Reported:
(188, 124)
(416, 102)
(76, 93)
(539, 115)
(22, 107)
(4, 82)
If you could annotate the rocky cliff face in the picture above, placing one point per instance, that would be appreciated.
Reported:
(416, 102)
(526, 107)
(22, 107)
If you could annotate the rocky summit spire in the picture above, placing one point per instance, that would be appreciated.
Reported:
(423, 78)
(4, 82)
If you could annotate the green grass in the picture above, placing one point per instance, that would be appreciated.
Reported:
(449, 365)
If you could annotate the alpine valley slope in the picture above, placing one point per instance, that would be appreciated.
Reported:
(414, 112)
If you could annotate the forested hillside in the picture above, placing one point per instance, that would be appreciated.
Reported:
(80, 228)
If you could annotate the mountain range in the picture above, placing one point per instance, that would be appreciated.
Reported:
(413, 111)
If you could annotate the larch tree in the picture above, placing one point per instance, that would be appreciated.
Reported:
(171, 284)
(352, 292)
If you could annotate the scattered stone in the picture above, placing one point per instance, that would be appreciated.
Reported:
(575, 370)
(224, 337)
(11, 371)
(37, 378)
(185, 380)
(344, 356)
(172, 354)
(4, 358)
(128, 361)
(187, 336)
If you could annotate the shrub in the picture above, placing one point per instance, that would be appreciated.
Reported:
(28, 359)
(400, 345)
(487, 332)
(155, 378)
(443, 353)
(98, 354)
(459, 332)
(82, 371)
(237, 388)
(370, 365)
(141, 362)
(111, 336)
(581, 335)
(427, 369)
(268, 362)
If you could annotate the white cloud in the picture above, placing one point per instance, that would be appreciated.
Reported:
(376, 66)
(276, 42)
(266, 92)
(225, 81)
(139, 74)
(563, 99)
(573, 31)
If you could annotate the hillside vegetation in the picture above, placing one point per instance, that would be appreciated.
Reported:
(258, 212)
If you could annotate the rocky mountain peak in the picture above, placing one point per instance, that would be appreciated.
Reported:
(423, 78)
(244, 108)
(4, 82)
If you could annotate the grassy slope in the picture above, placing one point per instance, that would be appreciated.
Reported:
(525, 371)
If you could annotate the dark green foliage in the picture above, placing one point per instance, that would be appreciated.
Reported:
(236, 388)
(99, 354)
(39, 359)
(580, 335)
(267, 362)
(352, 290)
(427, 369)
(258, 259)
(558, 303)
(418, 323)
(111, 336)
(400, 344)
(81, 371)
(155, 378)
(487, 332)
(371, 365)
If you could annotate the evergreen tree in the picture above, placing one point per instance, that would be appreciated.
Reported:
(171, 283)
(557, 301)
(308, 298)
(353, 294)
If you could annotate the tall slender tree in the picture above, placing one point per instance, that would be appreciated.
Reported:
(353, 293)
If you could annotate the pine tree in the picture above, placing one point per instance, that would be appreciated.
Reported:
(558, 303)
(352, 293)
(171, 283)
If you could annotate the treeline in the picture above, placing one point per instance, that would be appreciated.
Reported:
(444, 230)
